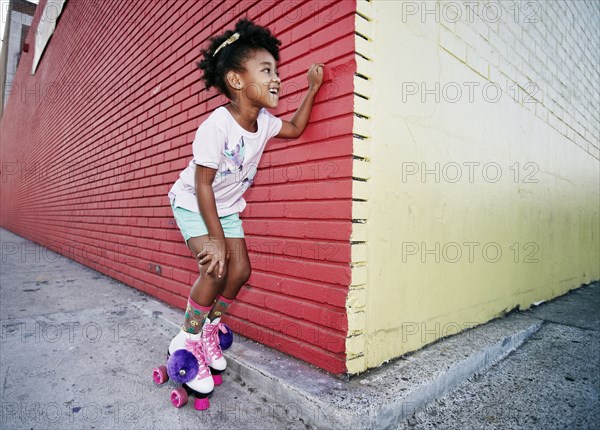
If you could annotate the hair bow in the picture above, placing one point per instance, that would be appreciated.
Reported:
(232, 38)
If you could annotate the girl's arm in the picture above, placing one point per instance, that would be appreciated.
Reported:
(295, 127)
(215, 249)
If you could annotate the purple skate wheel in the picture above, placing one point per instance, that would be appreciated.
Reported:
(179, 397)
(159, 375)
(201, 404)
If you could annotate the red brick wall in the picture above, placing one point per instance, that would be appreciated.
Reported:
(93, 141)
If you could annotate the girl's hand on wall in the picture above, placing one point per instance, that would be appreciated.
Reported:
(215, 252)
(315, 76)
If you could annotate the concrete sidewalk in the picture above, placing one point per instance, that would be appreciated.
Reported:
(78, 348)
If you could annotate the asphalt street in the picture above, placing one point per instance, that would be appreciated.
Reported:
(551, 382)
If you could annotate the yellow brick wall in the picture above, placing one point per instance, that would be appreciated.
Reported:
(544, 54)
(476, 166)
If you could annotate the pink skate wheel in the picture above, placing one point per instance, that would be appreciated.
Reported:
(179, 397)
(218, 379)
(159, 375)
(201, 404)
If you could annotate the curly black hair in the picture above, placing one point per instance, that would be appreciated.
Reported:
(234, 55)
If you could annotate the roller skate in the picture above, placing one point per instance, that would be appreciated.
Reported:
(216, 336)
(186, 364)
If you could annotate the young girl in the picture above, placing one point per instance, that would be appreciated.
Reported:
(207, 197)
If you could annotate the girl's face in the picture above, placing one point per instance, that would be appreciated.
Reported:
(260, 81)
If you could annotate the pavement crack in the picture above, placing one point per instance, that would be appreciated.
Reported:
(5, 376)
(595, 330)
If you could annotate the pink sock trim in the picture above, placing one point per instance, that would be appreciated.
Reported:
(223, 299)
(197, 306)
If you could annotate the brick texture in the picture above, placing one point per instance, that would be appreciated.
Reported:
(540, 53)
(93, 141)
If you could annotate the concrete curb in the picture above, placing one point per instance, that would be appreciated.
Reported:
(377, 399)
(447, 380)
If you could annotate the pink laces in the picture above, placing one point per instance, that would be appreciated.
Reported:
(210, 335)
(197, 348)
(221, 327)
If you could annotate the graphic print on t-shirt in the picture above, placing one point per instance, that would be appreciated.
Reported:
(248, 181)
(218, 145)
(234, 158)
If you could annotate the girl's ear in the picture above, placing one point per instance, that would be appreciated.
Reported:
(234, 80)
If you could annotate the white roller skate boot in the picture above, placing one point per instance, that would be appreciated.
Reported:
(203, 383)
(214, 355)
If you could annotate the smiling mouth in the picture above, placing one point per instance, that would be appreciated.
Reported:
(274, 91)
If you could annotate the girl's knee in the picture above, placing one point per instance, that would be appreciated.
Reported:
(213, 277)
(247, 273)
(243, 274)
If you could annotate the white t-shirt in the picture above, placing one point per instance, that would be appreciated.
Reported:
(221, 143)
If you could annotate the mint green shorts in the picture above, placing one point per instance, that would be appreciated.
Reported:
(191, 224)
